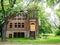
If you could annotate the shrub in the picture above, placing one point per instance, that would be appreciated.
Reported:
(57, 32)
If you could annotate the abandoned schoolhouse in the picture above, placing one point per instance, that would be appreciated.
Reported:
(22, 26)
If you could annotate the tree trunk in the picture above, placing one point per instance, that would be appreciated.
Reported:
(4, 28)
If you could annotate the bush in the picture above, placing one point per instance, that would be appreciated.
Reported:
(57, 32)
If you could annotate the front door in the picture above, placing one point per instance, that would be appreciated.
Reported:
(32, 34)
(10, 35)
(32, 31)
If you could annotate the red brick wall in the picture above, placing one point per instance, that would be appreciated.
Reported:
(26, 25)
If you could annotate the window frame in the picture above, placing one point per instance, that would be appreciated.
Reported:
(19, 25)
(10, 25)
(15, 25)
(22, 25)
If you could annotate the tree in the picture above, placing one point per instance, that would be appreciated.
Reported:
(38, 11)
(6, 11)
(1, 27)
(45, 25)
(5, 19)
(58, 14)
(12, 6)
(52, 4)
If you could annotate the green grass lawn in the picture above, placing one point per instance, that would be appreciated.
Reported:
(50, 39)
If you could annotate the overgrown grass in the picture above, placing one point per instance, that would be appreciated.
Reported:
(50, 39)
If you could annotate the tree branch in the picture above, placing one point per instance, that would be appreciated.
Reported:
(57, 2)
(2, 5)
(14, 3)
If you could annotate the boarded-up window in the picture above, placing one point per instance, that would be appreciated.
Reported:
(32, 27)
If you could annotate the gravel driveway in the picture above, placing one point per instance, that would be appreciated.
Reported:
(15, 43)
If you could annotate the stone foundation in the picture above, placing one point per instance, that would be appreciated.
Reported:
(26, 33)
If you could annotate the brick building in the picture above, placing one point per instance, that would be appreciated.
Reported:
(22, 26)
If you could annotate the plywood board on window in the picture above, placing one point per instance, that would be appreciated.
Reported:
(32, 27)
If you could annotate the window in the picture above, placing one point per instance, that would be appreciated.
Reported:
(10, 25)
(15, 25)
(19, 25)
(22, 25)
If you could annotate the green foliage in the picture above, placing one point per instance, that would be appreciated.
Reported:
(33, 10)
(57, 32)
(0, 7)
(15, 9)
(51, 2)
(6, 6)
(37, 1)
(18, 1)
(1, 19)
(8, 9)
(45, 26)
(58, 12)
(1, 24)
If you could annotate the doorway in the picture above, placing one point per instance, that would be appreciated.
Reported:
(10, 35)
(32, 34)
